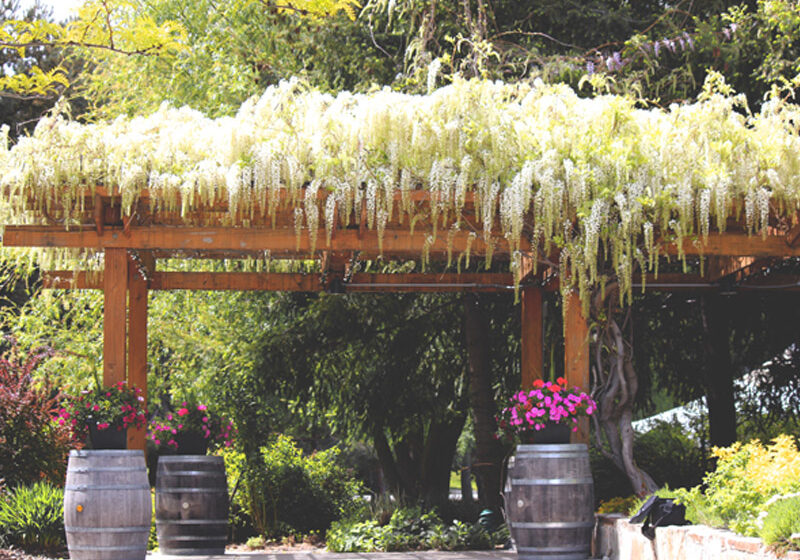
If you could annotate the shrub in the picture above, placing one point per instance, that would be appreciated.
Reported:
(411, 529)
(619, 505)
(666, 452)
(782, 520)
(745, 478)
(33, 446)
(286, 492)
(32, 518)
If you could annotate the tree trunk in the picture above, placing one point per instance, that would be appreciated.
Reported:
(488, 451)
(437, 461)
(615, 387)
(387, 462)
(718, 380)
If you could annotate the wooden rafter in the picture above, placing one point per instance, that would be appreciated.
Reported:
(164, 238)
(395, 242)
(294, 282)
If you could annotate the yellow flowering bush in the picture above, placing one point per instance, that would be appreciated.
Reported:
(746, 477)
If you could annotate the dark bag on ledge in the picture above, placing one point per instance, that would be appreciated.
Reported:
(659, 512)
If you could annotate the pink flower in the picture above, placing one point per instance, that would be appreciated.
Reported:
(183, 411)
(205, 418)
(103, 425)
(202, 407)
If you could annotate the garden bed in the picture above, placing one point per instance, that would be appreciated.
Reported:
(618, 539)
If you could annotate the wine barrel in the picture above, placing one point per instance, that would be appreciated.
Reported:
(107, 505)
(191, 505)
(550, 502)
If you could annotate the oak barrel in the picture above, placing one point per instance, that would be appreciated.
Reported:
(191, 505)
(107, 505)
(550, 502)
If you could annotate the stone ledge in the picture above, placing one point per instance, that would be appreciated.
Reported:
(617, 539)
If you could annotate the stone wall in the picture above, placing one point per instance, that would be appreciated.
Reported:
(616, 539)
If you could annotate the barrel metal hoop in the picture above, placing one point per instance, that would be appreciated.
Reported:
(552, 455)
(82, 470)
(109, 548)
(85, 487)
(537, 550)
(72, 529)
(191, 521)
(554, 525)
(191, 490)
(550, 481)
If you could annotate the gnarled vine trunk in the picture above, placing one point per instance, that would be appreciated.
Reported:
(614, 387)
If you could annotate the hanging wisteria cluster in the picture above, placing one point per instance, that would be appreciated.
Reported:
(614, 62)
(599, 180)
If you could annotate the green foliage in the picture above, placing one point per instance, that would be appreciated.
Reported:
(666, 452)
(411, 529)
(286, 492)
(618, 504)
(32, 518)
(782, 520)
(745, 478)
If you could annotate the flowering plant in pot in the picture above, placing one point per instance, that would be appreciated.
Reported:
(105, 414)
(190, 429)
(545, 414)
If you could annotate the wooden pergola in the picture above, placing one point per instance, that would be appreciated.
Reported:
(132, 244)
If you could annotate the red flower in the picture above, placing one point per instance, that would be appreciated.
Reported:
(183, 412)
(538, 383)
(561, 381)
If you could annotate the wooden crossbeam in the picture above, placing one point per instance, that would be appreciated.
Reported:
(395, 242)
(293, 282)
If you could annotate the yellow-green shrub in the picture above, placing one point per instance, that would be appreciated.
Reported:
(746, 477)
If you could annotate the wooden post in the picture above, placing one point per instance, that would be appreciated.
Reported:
(115, 287)
(532, 340)
(576, 356)
(137, 342)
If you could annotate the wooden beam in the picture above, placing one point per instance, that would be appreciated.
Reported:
(576, 356)
(395, 242)
(532, 336)
(722, 267)
(238, 281)
(115, 288)
(733, 244)
(432, 282)
(293, 282)
(137, 340)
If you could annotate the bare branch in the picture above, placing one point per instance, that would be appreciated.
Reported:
(148, 51)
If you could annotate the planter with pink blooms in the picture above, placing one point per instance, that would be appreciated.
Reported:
(546, 414)
(190, 429)
(550, 490)
(101, 416)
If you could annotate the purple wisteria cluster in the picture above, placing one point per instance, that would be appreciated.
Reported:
(680, 43)
(546, 403)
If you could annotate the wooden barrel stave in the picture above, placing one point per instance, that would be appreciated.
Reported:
(107, 505)
(551, 494)
(191, 505)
